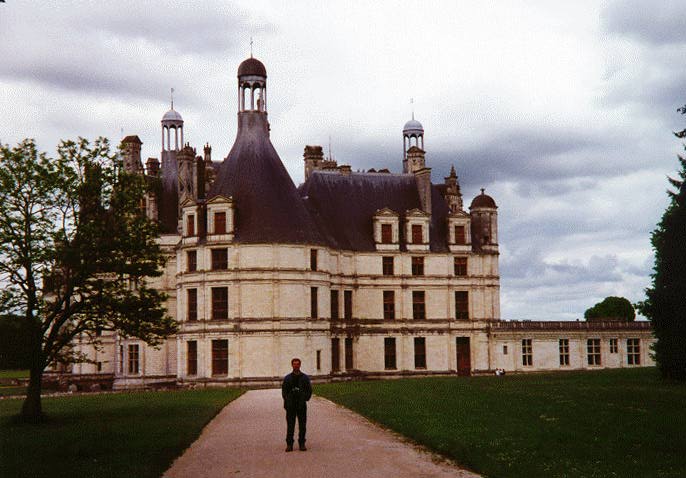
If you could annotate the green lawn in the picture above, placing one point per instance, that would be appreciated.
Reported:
(609, 423)
(14, 374)
(109, 435)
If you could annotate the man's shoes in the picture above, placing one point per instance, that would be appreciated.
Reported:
(303, 447)
(289, 448)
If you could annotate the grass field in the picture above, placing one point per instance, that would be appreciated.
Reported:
(609, 423)
(14, 374)
(109, 435)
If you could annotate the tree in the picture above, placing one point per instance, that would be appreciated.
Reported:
(616, 308)
(665, 303)
(74, 253)
(14, 343)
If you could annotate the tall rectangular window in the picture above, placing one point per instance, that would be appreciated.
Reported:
(220, 357)
(313, 259)
(461, 305)
(192, 357)
(460, 238)
(319, 359)
(460, 266)
(386, 233)
(335, 355)
(314, 306)
(419, 352)
(220, 259)
(220, 222)
(334, 305)
(593, 349)
(192, 304)
(633, 351)
(527, 353)
(389, 353)
(348, 353)
(387, 265)
(613, 346)
(418, 305)
(564, 352)
(348, 304)
(121, 359)
(192, 261)
(417, 266)
(220, 303)
(190, 224)
(417, 237)
(389, 305)
(134, 359)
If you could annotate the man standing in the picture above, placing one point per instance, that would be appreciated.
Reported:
(296, 390)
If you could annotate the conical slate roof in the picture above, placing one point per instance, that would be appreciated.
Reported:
(268, 206)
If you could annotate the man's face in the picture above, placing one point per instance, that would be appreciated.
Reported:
(296, 366)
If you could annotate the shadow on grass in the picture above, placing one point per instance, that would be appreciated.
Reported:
(108, 435)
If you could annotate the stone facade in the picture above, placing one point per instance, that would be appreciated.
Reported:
(357, 273)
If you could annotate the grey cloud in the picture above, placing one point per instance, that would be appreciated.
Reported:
(657, 23)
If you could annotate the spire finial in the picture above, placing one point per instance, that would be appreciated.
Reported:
(412, 103)
(330, 157)
(250, 47)
(483, 190)
(172, 98)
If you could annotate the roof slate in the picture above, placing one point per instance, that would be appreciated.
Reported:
(344, 205)
(268, 206)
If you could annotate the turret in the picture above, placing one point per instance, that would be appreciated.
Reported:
(131, 146)
(484, 223)
(453, 195)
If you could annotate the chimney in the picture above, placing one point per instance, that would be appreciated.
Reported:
(131, 146)
(423, 178)
(345, 169)
(313, 156)
(153, 167)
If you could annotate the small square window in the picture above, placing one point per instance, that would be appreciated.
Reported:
(417, 266)
(220, 259)
(387, 265)
(593, 349)
(527, 353)
(460, 266)
(192, 261)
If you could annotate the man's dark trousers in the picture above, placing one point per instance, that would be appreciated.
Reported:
(291, 414)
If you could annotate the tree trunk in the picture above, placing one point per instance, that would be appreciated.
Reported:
(32, 410)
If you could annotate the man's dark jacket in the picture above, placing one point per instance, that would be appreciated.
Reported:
(296, 390)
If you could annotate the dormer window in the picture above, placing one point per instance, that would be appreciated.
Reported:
(417, 237)
(459, 232)
(220, 219)
(460, 239)
(386, 233)
(220, 222)
(417, 230)
(386, 230)
(190, 225)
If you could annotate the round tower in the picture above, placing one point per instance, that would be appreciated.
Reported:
(252, 86)
(413, 136)
(172, 120)
(484, 217)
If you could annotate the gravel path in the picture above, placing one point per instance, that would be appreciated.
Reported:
(247, 439)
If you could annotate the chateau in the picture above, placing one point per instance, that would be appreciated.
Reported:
(372, 274)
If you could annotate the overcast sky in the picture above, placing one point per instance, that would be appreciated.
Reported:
(562, 111)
